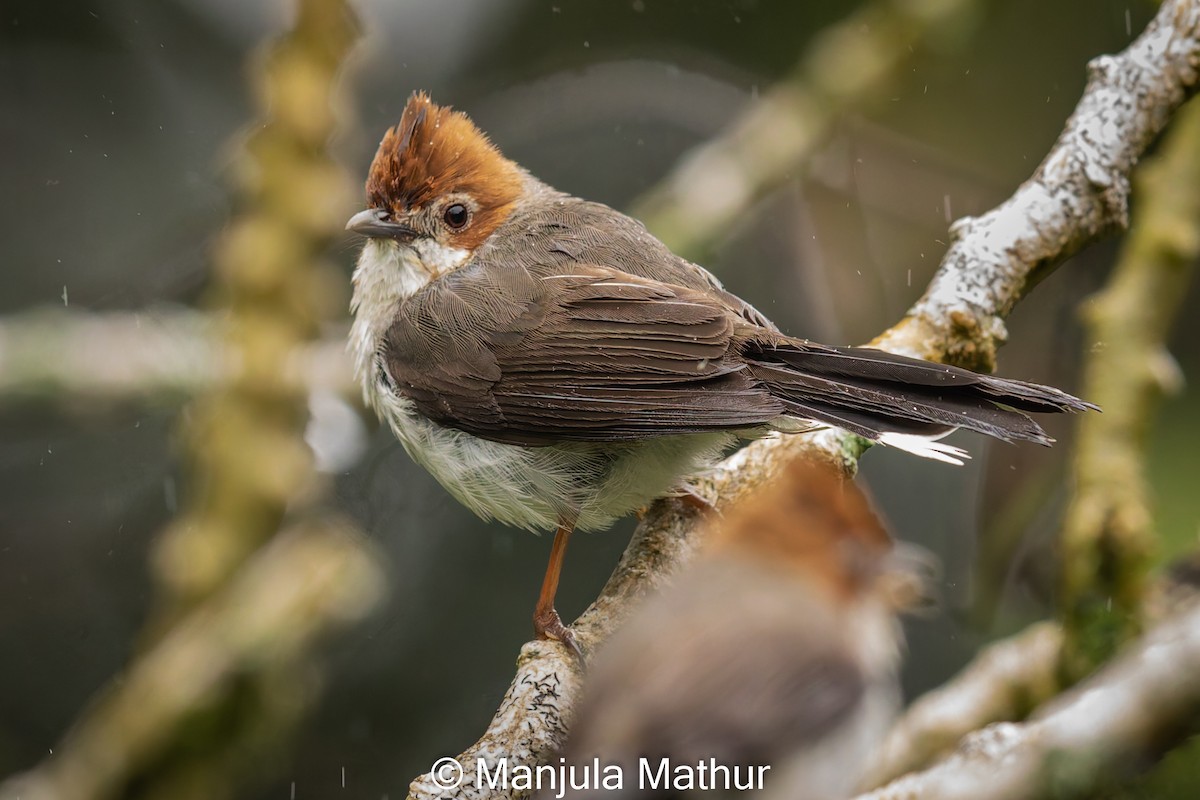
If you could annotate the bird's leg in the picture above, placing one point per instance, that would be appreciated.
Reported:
(546, 621)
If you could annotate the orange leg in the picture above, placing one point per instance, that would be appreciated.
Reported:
(546, 621)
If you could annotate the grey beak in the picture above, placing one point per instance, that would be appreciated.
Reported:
(376, 223)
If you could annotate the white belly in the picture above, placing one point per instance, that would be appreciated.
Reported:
(533, 487)
(527, 487)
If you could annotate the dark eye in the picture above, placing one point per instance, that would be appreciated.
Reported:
(456, 215)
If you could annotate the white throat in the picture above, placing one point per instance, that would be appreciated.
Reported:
(388, 272)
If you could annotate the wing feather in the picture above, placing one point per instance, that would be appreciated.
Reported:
(578, 353)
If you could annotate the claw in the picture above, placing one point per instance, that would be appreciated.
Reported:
(549, 625)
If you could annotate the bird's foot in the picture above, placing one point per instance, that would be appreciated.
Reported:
(549, 625)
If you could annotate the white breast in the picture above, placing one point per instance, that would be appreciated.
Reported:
(388, 272)
(509, 483)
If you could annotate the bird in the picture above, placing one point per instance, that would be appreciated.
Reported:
(770, 663)
(555, 366)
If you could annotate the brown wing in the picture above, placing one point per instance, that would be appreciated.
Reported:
(575, 352)
(582, 232)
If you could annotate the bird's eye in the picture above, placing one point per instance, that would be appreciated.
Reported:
(456, 215)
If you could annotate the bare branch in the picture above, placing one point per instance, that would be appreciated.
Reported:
(1130, 320)
(531, 723)
(1077, 194)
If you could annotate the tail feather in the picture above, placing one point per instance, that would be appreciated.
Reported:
(926, 448)
(881, 365)
(897, 400)
(889, 403)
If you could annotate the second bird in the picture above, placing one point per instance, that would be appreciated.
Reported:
(555, 366)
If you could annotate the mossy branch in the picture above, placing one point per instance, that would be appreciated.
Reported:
(1135, 707)
(226, 667)
(261, 623)
(1108, 537)
(245, 439)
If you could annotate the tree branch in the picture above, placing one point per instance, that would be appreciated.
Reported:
(1077, 194)
(287, 595)
(848, 64)
(1097, 731)
(160, 354)
(224, 672)
(1005, 681)
(1108, 536)
(1108, 517)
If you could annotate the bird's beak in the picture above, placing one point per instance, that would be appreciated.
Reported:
(375, 222)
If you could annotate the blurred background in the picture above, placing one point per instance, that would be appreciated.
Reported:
(117, 119)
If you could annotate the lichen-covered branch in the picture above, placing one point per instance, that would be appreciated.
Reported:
(224, 672)
(1005, 681)
(1079, 192)
(993, 261)
(848, 64)
(1108, 534)
(1140, 704)
(1010, 678)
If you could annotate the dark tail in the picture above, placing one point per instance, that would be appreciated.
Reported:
(874, 393)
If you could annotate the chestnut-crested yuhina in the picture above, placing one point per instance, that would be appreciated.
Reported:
(555, 366)
(769, 664)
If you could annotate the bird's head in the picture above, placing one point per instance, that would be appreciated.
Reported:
(438, 186)
(818, 526)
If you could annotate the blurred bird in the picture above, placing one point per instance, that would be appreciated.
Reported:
(777, 648)
(555, 366)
